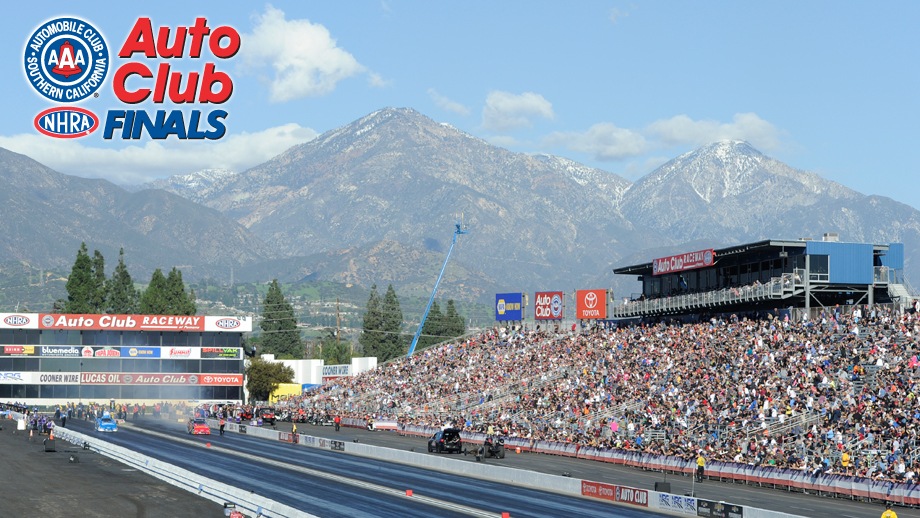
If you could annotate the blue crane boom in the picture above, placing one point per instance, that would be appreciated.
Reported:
(457, 232)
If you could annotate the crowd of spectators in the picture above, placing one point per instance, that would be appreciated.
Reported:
(835, 393)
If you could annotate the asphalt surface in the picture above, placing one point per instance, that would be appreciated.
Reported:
(50, 485)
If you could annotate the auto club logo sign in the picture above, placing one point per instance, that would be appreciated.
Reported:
(67, 60)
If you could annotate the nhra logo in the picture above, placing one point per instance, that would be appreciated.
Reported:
(66, 122)
(227, 323)
(16, 320)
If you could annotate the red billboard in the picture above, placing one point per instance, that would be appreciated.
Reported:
(591, 304)
(681, 262)
(548, 305)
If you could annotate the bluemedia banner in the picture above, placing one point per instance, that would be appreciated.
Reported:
(509, 307)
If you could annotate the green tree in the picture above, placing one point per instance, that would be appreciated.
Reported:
(154, 300)
(280, 334)
(80, 286)
(454, 324)
(332, 349)
(433, 330)
(123, 297)
(178, 301)
(99, 285)
(262, 378)
(372, 331)
(393, 343)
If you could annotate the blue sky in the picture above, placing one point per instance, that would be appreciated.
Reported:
(828, 87)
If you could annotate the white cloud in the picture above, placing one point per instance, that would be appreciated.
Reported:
(617, 14)
(604, 141)
(305, 59)
(158, 159)
(505, 111)
(681, 129)
(447, 104)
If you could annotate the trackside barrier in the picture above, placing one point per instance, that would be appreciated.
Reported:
(785, 478)
(624, 496)
(213, 490)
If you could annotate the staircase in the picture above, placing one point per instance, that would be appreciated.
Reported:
(899, 293)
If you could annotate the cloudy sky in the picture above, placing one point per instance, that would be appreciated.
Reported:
(828, 87)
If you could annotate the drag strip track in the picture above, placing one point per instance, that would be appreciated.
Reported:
(334, 484)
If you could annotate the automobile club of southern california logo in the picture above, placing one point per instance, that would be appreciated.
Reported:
(66, 59)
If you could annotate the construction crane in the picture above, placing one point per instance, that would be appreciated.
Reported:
(459, 230)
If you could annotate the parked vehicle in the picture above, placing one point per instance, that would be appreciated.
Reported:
(446, 441)
(267, 414)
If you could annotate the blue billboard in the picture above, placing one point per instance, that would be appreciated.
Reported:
(509, 307)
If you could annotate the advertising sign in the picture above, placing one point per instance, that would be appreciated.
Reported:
(548, 305)
(687, 261)
(130, 322)
(227, 353)
(157, 378)
(591, 304)
(509, 307)
(62, 351)
(19, 350)
(335, 371)
(140, 352)
(18, 321)
(710, 509)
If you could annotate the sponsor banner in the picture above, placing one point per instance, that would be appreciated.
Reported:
(39, 378)
(184, 353)
(681, 262)
(132, 322)
(591, 304)
(710, 509)
(156, 378)
(62, 351)
(20, 350)
(228, 353)
(632, 496)
(677, 504)
(100, 352)
(14, 378)
(548, 305)
(18, 321)
(231, 380)
(140, 352)
(334, 371)
(598, 490)
(231, 324)
(509, 307)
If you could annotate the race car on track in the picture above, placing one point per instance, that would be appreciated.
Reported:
(198, 426)
(106, 424)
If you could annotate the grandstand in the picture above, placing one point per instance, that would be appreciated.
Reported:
(753, 384)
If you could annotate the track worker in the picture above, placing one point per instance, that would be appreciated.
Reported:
(888, 512)
(700, 466)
